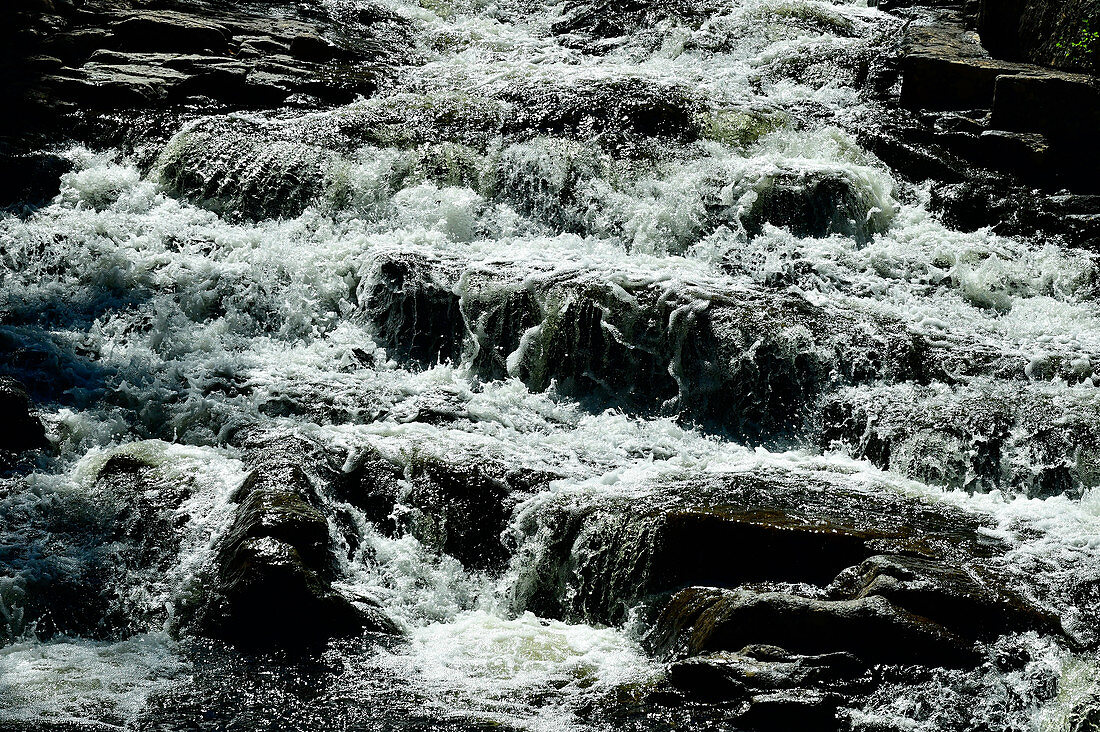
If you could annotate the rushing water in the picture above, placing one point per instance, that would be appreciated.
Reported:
(167, 300)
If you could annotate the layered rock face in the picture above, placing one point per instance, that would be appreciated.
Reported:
(1002, 91)
(101, 55)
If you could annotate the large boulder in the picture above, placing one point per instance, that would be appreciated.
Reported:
(600, 557)
(273, 574)
(747, 360)
(620, 113)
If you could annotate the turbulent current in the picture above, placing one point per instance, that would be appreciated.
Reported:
(570, 276)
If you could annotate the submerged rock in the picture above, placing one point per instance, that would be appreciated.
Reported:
(1039, 440)
(244, 168)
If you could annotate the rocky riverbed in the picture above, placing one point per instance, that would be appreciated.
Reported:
(580, 366)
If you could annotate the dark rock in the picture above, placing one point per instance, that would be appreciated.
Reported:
(274, 567)
(619, 113)
(802, 710)
(144, 507)
(725, 675)
(1085, 714)
(705, 620)
(585, 22)
(969, 604)
(945, 67)
(813, 206)
(312, 47)
(30, 180)
(1063, 108)
(165, 30)
(463, 511)
(21, 429)
(748, 361)
(415, 308)
(603, 557)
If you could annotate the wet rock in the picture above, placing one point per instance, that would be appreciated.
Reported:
(415, 308)
(705, 620)
(167, 30)
(546, 179)
(21, 430)
(945, 67)
(244, 168)
(1011, 209)
(146, 518)
(971, 605)
(604, 557)
(814, 205)
(463, 511)
(1058, 109)
(275, 565)
(108, 57)
(748, 361)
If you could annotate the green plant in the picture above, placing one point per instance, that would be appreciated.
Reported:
(1080, 50)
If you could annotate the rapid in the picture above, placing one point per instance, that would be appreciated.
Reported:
(587, 265)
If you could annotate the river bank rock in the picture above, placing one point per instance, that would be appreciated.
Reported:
(275, 566)
(104, 56)
(991, 127)
(1058, 33)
